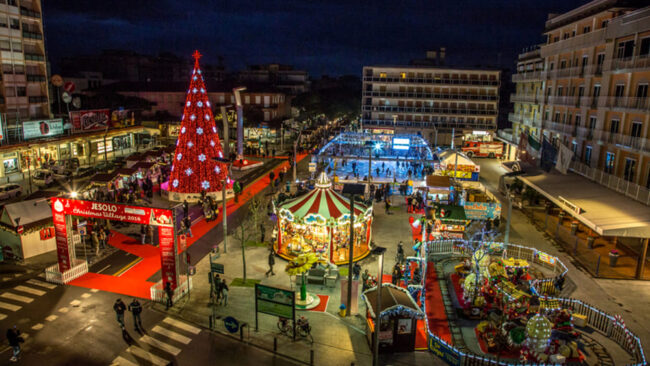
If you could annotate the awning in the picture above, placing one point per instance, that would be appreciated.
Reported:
(392, 298)
(26, 212)
(438, 181)
(605, 211)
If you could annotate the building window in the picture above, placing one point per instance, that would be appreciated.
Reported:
(21, 91)
(574, 147)
(600, 59)
(247, 99)
(596, 91)
(14, 23)
(620, 89)
(625, 49)
(592, 122)
(5, 45)
(609, 162)
(3, 21)
(382, 75)
(636, 129)
(403, 75)
(578, 117)
(588, 155)
(586, 29)
(645, 47)
(258, 99)
(630, 169)
(614, 125)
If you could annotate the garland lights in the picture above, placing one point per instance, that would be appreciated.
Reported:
(194, 169)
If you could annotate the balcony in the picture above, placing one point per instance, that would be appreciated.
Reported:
(437, 110)
(591, 102)
(590, 39)
(630, 103)
(563, 100)
(554, 126)
(38, 99)
(430, 81)
(448, 125)
(585, 133)
(32, 35)
(34, 57)
(528, 75)
(631, 63)
(524, 98)
(622, 140)
(29, 13)
(524, 120)
(35, 78)
(412, 95)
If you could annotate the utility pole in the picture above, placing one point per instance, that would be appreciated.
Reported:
(226, 138)
(375, 349)
(224, 185)
(240, 121)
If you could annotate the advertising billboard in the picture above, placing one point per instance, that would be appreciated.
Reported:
(42, 128)
(90, 120)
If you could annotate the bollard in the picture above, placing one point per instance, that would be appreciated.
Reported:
(210, 318)
(311, 357)
(275, 344)
(241, 331)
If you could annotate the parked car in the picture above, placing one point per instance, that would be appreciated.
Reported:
(119, 161)
(104, 166)
(43, 178)
(83, 172)
(10, 190)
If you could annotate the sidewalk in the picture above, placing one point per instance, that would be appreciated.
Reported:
(337, 341)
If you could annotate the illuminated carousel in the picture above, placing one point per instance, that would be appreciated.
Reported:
(319, 222)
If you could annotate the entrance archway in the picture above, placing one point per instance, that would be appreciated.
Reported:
(70, 267)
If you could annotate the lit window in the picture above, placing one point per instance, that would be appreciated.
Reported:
(403, 75)
(382, 75)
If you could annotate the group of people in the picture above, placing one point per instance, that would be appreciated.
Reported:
(134, 307)
(99, 233)
(220, 290)
(414, 202)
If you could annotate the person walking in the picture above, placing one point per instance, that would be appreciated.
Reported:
(271, 177)
(356, 271)
(119, 308)
(271, 263)
(102, 238)
(188, 226)
(136, 309)
(14, 338)
(224, 293)
(262, 232)
(95, 240)
(143, 234)
(170, 295)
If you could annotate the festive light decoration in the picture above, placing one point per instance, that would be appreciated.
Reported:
(198, 143)
(538, 330)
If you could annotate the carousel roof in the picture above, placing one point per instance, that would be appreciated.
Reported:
(322, 200)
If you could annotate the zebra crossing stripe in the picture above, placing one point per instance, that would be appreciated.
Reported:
(139, 352)
(2, 316)
(11, 307)
(181, 325)
(170, 334)
(121, 361)
(36, 282)
(12, 296)
(30, 290)
(162, 345)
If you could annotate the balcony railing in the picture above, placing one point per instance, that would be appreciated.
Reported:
(524, 98)
(555, 126)
(580, 41)
(528, 75)
(448, 124)
(526, 120)
(439, 110)
(29, 13)
(431, 81)
(563, 100)
(391, 94)
(585, 133)
(32, 35)
(627, 103)
(35, 77)
(34, 57)
(38, 99)
(634, 62)
(630, 189)
(623, 140)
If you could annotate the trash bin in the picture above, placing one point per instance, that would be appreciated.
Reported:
(342, 311)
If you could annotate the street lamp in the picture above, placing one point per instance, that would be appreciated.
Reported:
(226, 138)
(240, 121)
(375, 349)
(223, 197)
(376, 146)
(353, 190)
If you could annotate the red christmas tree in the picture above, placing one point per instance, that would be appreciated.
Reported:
(193, 167)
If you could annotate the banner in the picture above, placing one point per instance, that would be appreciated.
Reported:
(90, 120)
(563, 159)
(42, 128)
(167, 256)
(61, 234)
(482, 210)
(117, 212)
(548, 155)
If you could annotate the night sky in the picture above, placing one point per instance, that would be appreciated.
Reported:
(331, 37)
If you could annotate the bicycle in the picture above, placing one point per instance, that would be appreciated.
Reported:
(285, 327)
(304, 329)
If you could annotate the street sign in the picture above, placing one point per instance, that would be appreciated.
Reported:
(56, 80)
(231, 324)
(69, 86)
(66, 97)
(82, 230)
(312, 167)
(20, 229)
(217, 268)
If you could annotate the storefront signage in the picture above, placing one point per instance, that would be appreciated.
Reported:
(217, 268)
(61, 234)
(444, 351)
(546, 258)
(167, 255)
(482, 210)
(90, 120)
(42, 128)
(274, 301)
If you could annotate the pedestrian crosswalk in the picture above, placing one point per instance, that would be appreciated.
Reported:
(161, 345)
(13, 299)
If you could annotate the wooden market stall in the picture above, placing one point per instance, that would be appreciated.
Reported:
(398, 314)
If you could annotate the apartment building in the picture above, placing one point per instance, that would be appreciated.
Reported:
(24, 92)
(432, 100)
(283, 77)
(587, 87)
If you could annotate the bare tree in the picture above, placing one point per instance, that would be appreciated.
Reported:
(249, 228)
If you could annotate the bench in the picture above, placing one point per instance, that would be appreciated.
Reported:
(316, 275)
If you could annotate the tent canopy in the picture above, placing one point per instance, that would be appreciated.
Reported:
(391, 297)
(27, 212)
(323, 201)
(449, 157)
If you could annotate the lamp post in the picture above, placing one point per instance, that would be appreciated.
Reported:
(295, 154)
(353, 190)
(375, 349)
(226, 138)
(240, 121)
(223, 198)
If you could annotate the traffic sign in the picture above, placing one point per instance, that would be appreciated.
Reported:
(82, 230)
(231, 324)
(69, 86)
(20, 229)
(217, 268)
(66, 97)
(56, 80)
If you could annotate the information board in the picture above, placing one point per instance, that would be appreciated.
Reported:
(274, 301)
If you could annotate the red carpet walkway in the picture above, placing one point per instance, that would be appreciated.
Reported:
(134, 282)
(436, 316)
